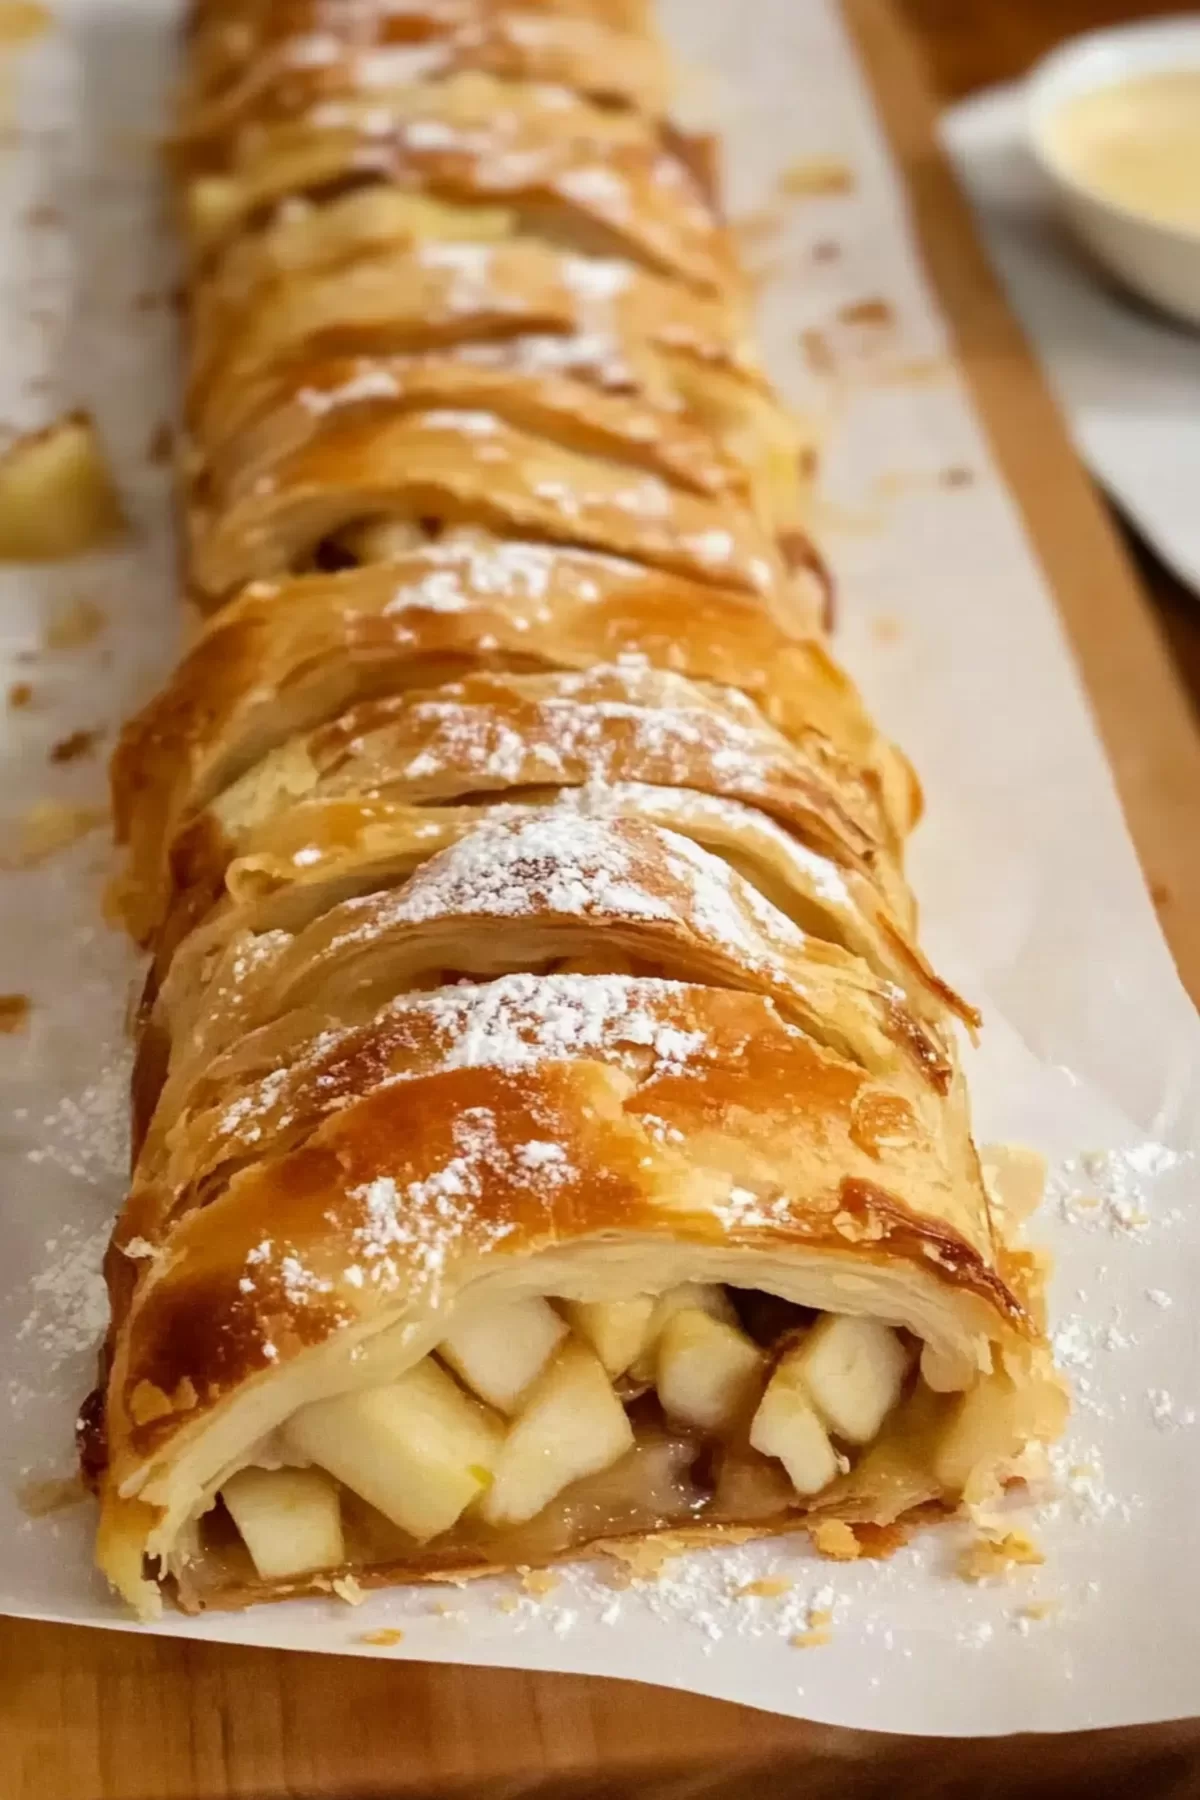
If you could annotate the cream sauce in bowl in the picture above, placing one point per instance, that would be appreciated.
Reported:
(1136, 143)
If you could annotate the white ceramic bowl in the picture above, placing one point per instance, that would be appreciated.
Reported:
(1160, 262)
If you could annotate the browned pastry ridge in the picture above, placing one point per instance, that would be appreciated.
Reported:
(548, 1129)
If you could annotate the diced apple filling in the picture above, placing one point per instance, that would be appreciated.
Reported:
(854, 1370)
(708, 1374)
(419, 1450)
(692, 1296)
(423, 1451)
(289, 1519)
(786, 1425)
(572, 1425)
(689, 1296)
(501, 1353)
(619, 1331)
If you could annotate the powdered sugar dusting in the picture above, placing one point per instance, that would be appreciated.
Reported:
(601, 722)
(68, 1307)
(87, 1134)
(514, 1023)
(521, 1020)
(734, 817)
(410, 1231)
(548, 863)
(368, 384)
(1108, 1191)
(568, 864)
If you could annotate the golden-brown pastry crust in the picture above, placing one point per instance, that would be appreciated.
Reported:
(523, 879)
(284, 657)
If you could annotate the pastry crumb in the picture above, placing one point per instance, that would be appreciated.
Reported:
(540, 1581)
(385, 1638)
(814, 176)
(507, 1603)
(75, 745)
(644, 1560)
(818, 353)
(1038, 1610)
(48, 827)
(73, 624)
(347, 1588)
(14, 1013)
(1014, 1179)
(813, 1639)
(834, 1539)
(38, 1498)
(872, 312)
(160, 444)
(19, 695)
(916, 371)
(767, 1587)
(991, 1557)
(138, 1247)
(754, 229)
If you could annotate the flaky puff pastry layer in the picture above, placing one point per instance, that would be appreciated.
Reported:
(523, 879)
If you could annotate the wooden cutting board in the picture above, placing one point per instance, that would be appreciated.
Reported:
(121, 1716)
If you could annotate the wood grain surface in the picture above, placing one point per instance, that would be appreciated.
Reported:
(118, 1716)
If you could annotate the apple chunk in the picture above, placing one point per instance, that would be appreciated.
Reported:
(418, 1450)
(707, 1373)
(289, 1520)
(854, 1370)
(571, 1425)
(502, 1352)
(786, 1426)
(617, 1330)
(688, 1296)
(692, 1296)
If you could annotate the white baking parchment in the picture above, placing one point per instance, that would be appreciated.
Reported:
(1033, 903)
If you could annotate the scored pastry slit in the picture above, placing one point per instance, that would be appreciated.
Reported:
(548, 1129)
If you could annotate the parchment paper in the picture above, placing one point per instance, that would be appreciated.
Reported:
(1033, 903)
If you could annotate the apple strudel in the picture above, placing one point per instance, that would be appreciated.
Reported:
(548, 1130)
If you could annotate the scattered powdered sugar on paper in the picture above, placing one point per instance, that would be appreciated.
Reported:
(1168, 1414)
(68, 1311)
(713, 1592)
(1107, 1190)
(87, 1133)
(1081, 1491)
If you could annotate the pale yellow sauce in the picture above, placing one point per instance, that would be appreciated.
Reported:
(21, 21)
(1137, 143)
